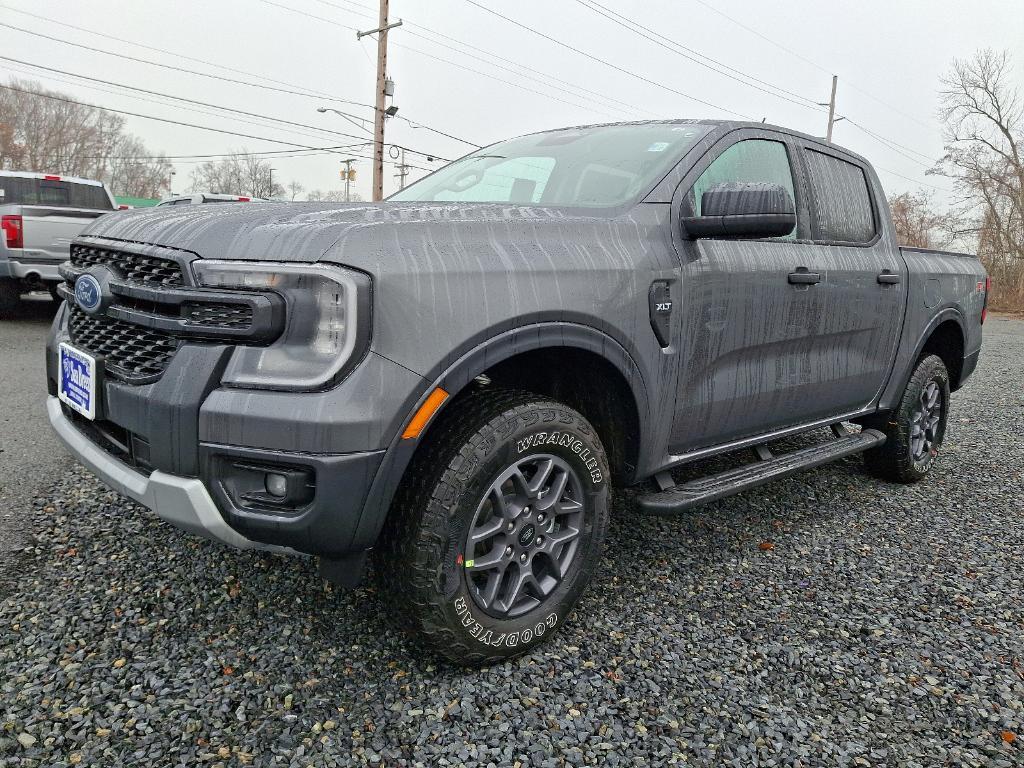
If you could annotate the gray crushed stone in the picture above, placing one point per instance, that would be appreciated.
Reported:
(830, 619)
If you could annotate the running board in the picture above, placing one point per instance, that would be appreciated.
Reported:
(680, 498)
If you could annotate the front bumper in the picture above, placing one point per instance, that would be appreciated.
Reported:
(182, 501)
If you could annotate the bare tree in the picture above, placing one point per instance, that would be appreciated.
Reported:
(41, 131)
(917, 222)
(132, 172)
(984, 131)
(239, 174)
(295, 189)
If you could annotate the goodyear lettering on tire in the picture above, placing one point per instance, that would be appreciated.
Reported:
(508, 639)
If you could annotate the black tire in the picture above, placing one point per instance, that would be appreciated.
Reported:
(10, 298)
(429, 570)
(909, 451)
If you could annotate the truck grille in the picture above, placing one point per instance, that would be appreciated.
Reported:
(130, 351)
(133, 267)
(218, 315)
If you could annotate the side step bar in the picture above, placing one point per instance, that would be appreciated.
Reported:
(680, 498)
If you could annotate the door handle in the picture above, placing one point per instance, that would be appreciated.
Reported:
(888, 278)
(803, 277)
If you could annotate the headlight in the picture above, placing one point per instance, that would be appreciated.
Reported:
(326, 321)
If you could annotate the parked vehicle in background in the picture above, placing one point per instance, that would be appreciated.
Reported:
(197, 198)
(39, 215)
(454, 377)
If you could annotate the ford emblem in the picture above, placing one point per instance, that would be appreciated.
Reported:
(88, 293)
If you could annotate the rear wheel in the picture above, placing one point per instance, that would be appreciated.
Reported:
(10, 297)
(915, 430)
(498, 529)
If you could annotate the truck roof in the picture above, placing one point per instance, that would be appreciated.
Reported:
(720, 126)
(49, 177)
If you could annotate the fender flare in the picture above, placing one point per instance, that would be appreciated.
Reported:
(892, 394)
(459, 374)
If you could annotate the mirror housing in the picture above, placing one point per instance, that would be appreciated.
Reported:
(742, 210)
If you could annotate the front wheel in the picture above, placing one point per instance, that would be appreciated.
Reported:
(498, 529)
(915, 430)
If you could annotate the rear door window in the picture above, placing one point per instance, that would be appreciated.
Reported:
(841, 203)
(752, 160)
(53, 193)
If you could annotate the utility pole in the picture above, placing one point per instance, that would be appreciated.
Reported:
(831, 110)
(403, 171)
(270, 193)
(348, 176)
(378, 119)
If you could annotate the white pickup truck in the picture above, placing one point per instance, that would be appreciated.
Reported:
(40, 214)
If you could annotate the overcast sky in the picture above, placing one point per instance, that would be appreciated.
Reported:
(888, 56)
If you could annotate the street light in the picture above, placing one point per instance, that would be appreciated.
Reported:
(356, 121)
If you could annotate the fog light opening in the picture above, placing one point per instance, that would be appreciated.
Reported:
(276, 484)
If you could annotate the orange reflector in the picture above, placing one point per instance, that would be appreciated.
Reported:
(422, 416)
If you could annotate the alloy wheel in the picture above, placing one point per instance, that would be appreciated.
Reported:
(524, 536)
(924, 422)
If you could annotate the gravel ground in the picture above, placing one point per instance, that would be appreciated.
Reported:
(30, 455)
(829, 619)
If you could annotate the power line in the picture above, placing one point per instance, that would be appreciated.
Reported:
(302, 91)
(178, 55)
(814, 64)
(207, 104)
(560, 86)
(284, 153)
(889, 143)
(152, 63)
(33, 73)
(559, 98)
(53, 97)
(604, 61)
(895, 146)
(696, 57)
(179, 98)
(908, 178)
(558, 82)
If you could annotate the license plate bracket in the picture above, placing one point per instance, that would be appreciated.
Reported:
(78, 380)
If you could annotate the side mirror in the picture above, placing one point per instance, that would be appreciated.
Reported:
(745, 210)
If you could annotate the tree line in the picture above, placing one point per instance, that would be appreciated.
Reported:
(41, 132)
(982, 114)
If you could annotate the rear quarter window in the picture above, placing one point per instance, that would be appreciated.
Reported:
(840, 200)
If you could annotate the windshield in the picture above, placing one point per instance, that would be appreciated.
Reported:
(586, 167)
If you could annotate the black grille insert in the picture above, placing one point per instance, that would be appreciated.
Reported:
(217, 315)
(133, 267)
(130, 351)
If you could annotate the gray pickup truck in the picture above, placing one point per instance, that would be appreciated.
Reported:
(39, 216)
(456, 377)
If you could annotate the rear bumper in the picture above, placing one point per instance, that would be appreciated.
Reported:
(18, 268)
(182, 501)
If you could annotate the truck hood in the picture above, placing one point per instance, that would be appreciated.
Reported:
(353, 233)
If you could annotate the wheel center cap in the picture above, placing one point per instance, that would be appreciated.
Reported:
(526, 535)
